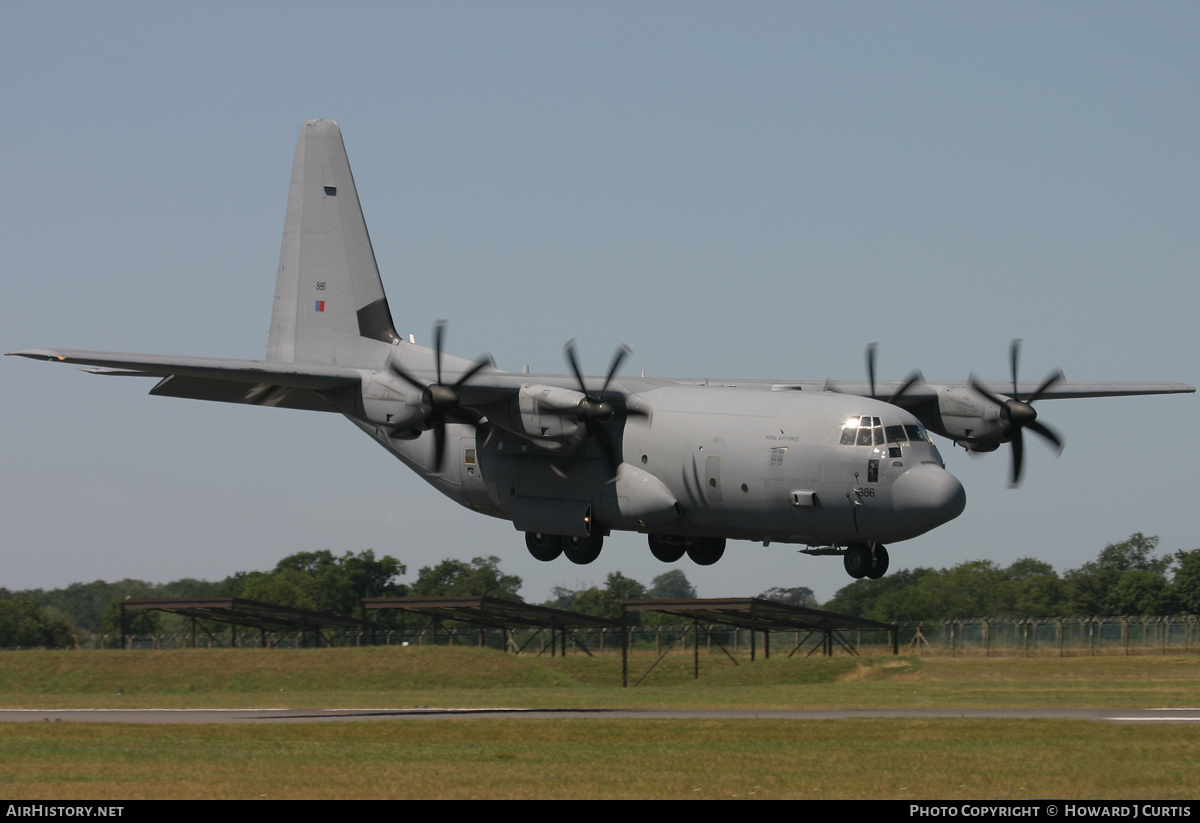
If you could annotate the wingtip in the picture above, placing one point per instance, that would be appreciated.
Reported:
(36, 354)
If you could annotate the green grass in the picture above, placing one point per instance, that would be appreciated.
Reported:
(398, 677)
(701, 759)
(499, 758)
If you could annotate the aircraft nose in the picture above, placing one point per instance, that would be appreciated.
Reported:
(928, 496)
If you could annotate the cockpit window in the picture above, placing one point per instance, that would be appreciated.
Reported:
(870, 431)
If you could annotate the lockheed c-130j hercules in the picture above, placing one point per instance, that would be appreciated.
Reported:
(841, 469)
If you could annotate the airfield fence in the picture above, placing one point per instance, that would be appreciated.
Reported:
(1067, 637)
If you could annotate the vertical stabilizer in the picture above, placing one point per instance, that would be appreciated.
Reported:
(329, 302)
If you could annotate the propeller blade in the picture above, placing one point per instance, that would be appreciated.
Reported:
(395, 367)
(620, 355)
(913, 379)
(439, 446)
(570, 350)
(871, 348)
(483, 362)
(1018, 453)
(1014, 351)
(1056, 377)
(979, 389)
(563, 467)
(439, 329)
(610, 450)
(1047, 432)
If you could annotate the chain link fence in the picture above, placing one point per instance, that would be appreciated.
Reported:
(986, 637)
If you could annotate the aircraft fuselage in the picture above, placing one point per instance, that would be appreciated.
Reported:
(716, 460)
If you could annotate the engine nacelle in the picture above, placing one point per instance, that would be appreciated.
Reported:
(391, 403)
(540, 412)
(970, 419)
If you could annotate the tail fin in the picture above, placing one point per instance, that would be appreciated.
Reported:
(329, 302)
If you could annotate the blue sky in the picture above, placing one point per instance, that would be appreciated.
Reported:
(749, 190)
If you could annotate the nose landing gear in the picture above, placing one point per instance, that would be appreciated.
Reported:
(863, 560)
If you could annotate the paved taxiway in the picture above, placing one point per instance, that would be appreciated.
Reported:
(1172, 716)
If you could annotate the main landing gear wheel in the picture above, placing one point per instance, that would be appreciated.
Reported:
(582, 550)
(880, 566)
(706, 550)
(544, 547)
(858, 560)
(663, 550)
(863, 561)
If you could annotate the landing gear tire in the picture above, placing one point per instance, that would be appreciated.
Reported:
(858, 560)
(706, 550)
(582, 550)
(665, 551)
(880, 565)
(544, 547)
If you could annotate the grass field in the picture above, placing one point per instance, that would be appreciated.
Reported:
(909, 759)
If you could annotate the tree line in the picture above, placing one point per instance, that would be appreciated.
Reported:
(1126, 578)
(317, 581)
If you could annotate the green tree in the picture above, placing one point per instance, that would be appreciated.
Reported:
(137, 621)
(859, 598)
(479, 578)
(320, 581)
(606, 602)
(672, 585)
(1185, 581)
(25, 624)
(1094, 587)
(795, 596)
(1030, 588)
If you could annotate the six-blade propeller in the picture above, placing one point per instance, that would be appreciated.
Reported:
(1018, 414)
(594, 413)
(441, 403)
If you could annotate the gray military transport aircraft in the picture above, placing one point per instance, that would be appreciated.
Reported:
(842, 469)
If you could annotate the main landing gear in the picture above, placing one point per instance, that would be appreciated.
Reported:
(703, 551)
(862, 560)
(579, 550)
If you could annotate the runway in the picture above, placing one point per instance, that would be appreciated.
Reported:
(268, 715)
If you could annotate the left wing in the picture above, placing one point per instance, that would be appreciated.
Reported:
(258, 382)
